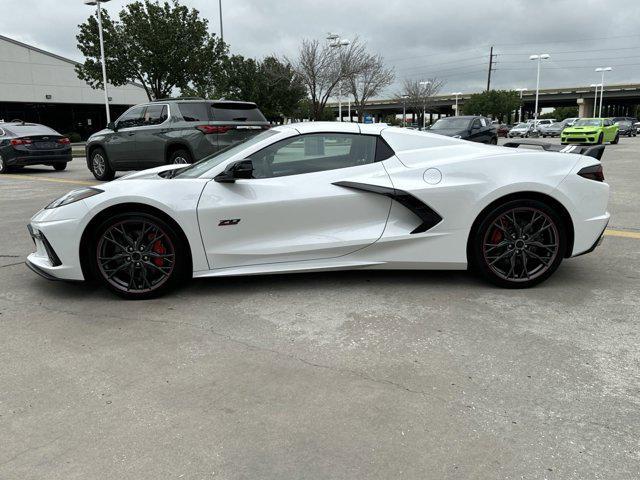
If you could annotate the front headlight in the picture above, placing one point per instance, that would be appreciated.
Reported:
(456, 136)
(74, 196)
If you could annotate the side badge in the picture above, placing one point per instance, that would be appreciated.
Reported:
(229, 222)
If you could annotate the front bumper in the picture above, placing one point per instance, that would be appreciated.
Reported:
(580, 138)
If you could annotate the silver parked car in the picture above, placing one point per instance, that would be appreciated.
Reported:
(523, 129)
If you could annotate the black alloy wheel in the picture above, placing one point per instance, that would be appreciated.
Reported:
(138, 256)
(519, 244)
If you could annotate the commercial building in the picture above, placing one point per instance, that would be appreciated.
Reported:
(39, 86)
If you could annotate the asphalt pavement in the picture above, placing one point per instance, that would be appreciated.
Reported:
(340, 375)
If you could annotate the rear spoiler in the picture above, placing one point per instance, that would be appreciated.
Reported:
(594, 151)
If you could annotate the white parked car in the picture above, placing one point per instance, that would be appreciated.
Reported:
(329, 196)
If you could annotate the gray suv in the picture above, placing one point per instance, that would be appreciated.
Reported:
(170, 131)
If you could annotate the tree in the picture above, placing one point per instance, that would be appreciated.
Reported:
(271, 83)
(418, 95)
(368, 79)
(494, 103)
(162, 46)
(560, 113)
(322, 67)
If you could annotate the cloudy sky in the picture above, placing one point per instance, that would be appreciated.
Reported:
(449, 39)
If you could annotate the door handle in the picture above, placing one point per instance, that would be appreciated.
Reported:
(132, 133)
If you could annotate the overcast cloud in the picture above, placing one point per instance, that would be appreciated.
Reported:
(449, 39)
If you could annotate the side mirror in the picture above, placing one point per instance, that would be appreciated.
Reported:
(235, 171)
(112, 126)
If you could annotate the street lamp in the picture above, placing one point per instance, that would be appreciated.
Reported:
(602, 70)
(520, 114)
(97, 3)
(424, 103)
(595, 97)
(539, 58)
(456, 94)
(404, 110)
(337, 42)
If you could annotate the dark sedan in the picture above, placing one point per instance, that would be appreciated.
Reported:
(24, 144)
(627, 127)
(473, 128)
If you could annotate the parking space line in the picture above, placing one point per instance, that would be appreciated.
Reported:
(48, 179)
(622, 233)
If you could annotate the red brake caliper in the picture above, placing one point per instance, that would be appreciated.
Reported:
(158, 248)
(496, 236)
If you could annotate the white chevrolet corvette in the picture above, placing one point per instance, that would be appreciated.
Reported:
(329, 196)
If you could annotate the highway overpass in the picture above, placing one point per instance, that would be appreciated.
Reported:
(619, 100)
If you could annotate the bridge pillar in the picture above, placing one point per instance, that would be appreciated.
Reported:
(585, 107)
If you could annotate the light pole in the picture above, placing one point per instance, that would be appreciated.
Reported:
(595, 97)
(520, 114)
(424, 103)
(404, 110)
(539, 58)
(221, 31)
(602, 70)
(337, 42)
(456, 94)
(104, 66)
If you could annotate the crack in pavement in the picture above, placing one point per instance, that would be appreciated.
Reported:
(31, 449)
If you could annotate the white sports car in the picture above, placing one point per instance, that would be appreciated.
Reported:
(329, 196)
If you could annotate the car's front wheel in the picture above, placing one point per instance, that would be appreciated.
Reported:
(100, 166)
(518, 244)
(616, 139)
(180, 156)
(4, 168)
(138, 255)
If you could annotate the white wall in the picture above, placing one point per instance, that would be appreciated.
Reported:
(28, 75)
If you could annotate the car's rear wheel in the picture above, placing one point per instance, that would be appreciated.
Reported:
(100, 166)
(4, 168)
(494, 141)
(60, 166)
(138, 255)
(518, 244)
(180, 156)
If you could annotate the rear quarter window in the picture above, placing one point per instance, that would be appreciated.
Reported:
(194, 111)
(236, 112)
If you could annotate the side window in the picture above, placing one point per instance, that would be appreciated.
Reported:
(131, 118)
(155, 114)
(194, 111)
(313, 153)
(483, 122)
(475, 124)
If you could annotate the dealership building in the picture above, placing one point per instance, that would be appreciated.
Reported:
(42, 87)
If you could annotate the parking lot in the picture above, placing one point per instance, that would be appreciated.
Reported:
(341, 375)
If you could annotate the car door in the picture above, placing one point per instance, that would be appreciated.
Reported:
(610, 130)
(151, 136)
(121, 144)
(292, 210)
(476, 130)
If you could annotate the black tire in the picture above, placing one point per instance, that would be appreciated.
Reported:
(526, 259)
(180, 156)
(601, 139)
(494, 141)
(100, 166)
(60, 166)
(138, 256)
(4, 168)
(616, 139)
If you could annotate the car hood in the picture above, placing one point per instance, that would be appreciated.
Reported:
(151, 173)
(580, 129)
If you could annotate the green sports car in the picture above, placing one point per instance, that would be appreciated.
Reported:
(591, 130)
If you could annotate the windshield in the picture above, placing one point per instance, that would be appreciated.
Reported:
(522, 125)
(588, 122)
(207, 163)
(452, 123)
(624, 123)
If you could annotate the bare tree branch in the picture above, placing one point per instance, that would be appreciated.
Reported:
(418, 95)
